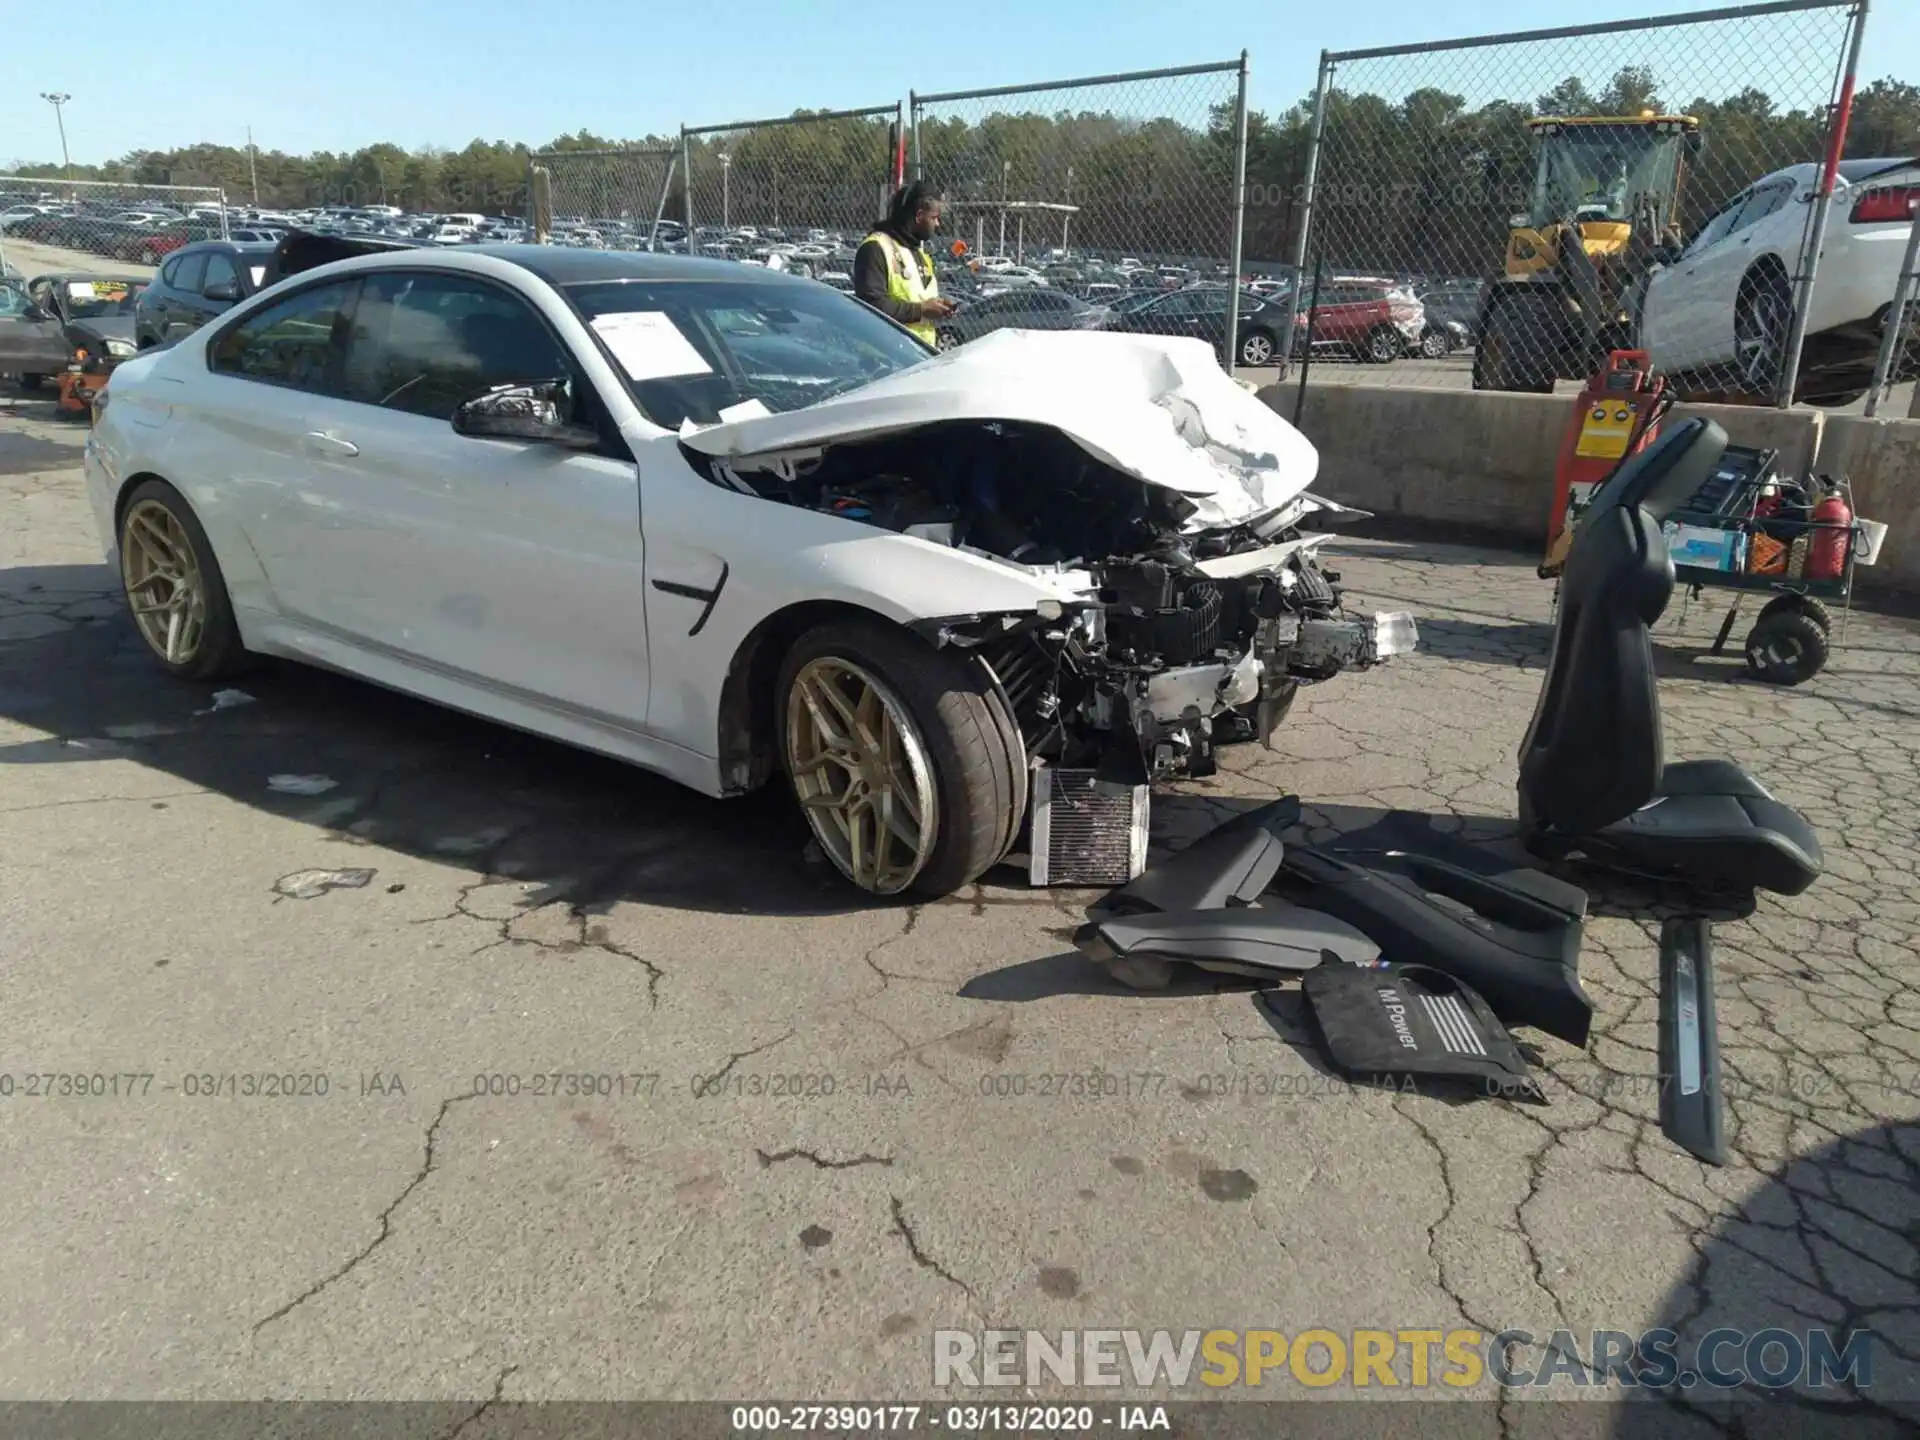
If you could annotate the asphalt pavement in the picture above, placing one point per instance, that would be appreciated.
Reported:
(411, 1057)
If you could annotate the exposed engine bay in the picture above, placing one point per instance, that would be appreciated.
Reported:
(1188, 637)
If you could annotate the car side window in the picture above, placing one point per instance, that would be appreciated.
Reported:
(1765, 200)
(219, 268)
(192, 268)
(170, 270)
(1716, 229)
(293, 343)
(425, 343)
(13, 301)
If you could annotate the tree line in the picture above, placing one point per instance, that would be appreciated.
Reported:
(1422, 183)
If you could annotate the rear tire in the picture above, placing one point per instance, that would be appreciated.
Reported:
(918, 730)
(1762, 320)
(1384, 346)
(946, 338)
(1436, 344)
(1256, 349)
(1512, 354)
(30, 383)
(1805, 604)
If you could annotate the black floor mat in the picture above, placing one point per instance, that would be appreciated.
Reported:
(1413, 1027)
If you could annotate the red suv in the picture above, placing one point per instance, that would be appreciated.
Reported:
(1372, 320)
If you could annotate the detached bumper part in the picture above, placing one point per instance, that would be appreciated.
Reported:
(1511, 935)
(1338, 644)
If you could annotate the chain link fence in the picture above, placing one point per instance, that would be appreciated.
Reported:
(604, 199)
(1503, 211)
(1898, 360)
(1108, 201)
(97, 226)
(799, 193)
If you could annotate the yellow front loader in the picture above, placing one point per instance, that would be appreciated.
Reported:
(1604, 205)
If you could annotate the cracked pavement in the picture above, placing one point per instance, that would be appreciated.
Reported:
(626, 1097)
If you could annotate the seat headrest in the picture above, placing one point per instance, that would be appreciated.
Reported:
(1666, 474)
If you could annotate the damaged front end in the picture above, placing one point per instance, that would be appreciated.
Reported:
(1180, 640)
(1164, 507)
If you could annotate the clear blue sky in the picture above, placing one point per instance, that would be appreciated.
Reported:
(345, 73)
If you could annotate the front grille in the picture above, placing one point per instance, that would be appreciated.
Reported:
(1087, 831)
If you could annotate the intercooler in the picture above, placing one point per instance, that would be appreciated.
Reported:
(1087, 831)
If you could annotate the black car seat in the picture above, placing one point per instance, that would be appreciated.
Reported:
(1593, 777)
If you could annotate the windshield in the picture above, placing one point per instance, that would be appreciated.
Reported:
(1602, 172)
(693, 349)
(92, 299)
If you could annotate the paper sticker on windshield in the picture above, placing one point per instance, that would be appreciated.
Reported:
(258, 272)
(745, 410)
(649, 346)
(80, 290)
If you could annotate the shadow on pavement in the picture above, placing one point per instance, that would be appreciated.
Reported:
(409, 775)
(1824, 1248)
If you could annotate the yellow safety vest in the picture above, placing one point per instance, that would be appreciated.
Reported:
(909, 281)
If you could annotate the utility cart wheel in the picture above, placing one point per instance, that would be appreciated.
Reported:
(1787, 647)
(1822, 616)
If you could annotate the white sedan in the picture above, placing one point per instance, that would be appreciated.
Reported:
(1722, 310)
(726, 523)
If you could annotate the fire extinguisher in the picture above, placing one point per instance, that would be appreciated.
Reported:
(1827, 555)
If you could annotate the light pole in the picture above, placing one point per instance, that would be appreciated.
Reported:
(1006, 176)
(61, 120)
(253, 173)
(726, 191)
(1066, 216)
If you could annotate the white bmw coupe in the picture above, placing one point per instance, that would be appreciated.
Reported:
(726, 523)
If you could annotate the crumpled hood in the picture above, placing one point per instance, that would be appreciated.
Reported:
(1157, 408)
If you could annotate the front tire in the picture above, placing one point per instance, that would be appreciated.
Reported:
(147, 255)
(1513, 351)
(1788, 647)
(175, 590)
(946, 338)
(1256, 349)
(912, 778)
(1383, 345)
(1436, 344)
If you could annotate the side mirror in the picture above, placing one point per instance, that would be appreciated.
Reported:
(222, 290)
(527, 410)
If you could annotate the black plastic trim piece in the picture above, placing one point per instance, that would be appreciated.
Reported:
(694, 592)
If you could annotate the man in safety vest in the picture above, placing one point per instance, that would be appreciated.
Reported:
(893, 270)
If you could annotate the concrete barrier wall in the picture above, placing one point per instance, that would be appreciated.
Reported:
(1482, 463)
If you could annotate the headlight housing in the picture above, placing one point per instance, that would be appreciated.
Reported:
(121, 349)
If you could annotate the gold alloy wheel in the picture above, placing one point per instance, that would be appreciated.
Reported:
(861, 774)
(163, 581)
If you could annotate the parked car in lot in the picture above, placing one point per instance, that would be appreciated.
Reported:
(424, 467)
(1020, 310)
(95, 315)
(1200, 311)
(1370, 319)
(1455, 307)
(33, 340)
(1725, 303)
(196, 284)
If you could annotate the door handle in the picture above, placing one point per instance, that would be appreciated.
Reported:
(330, 444)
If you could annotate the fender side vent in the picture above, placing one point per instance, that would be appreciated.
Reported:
(1087, 831)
